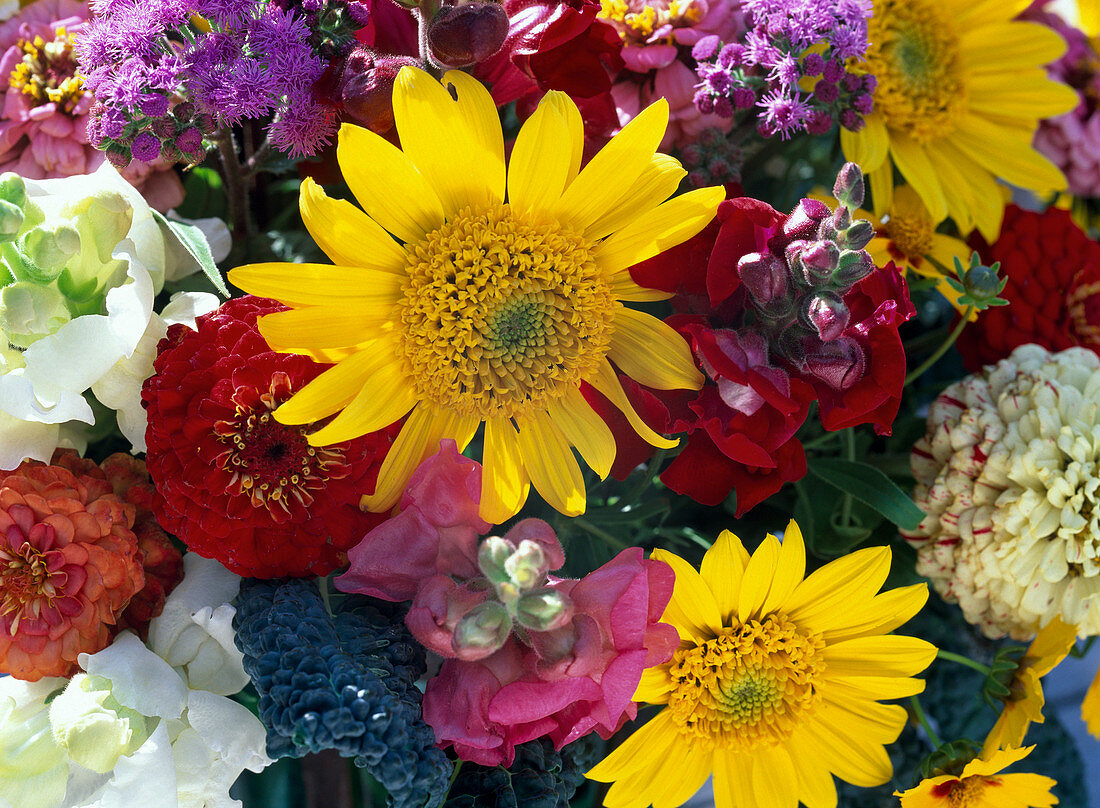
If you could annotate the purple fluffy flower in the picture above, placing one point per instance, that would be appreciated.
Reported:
(303, 127)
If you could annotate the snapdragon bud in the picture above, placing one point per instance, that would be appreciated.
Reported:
(492, 555)
(460, 36)
(527, 566)
(92, 726)
(544, 610)
(365, 87)
(813, 262)
(485, 628)
(764, 275)
(11, 220)
(848, 188)
(804, 219)
(13, 189)
(29, 311)
(857, 236)
(853, 266)
(49, 249)
(826, 314)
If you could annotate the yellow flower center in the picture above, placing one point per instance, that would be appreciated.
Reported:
(25, 582)
(637, 21)
(500, 315)
(47, 72)
(748, 687)
(915, 55)
(910, 235)
(965, 792)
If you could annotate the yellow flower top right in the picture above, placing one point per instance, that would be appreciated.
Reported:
(961, 90)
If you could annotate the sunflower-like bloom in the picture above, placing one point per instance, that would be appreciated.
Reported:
(1026, 700)
(961, 89)
(454, 307)
(981, 785)
(776, 683)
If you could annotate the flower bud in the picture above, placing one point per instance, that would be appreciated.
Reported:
(492, 555)
(813, 262)
(365, 87)
(544, 610)
(13, 189)
(764, 276)
(485, 628)
(848, 188)
(857, 236)
(460, 36)
(92, 726)
(839, 363)
(839, 222)
(826, 313)
(49, 250)
(29, 311)
(803, 221)
(11, 220)
(527, 566)
(853, 266)
(982, 283)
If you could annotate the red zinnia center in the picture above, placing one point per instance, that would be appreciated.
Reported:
(271, 462)
(25, 577)
(1083, 303)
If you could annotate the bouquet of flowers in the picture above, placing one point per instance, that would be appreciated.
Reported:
(483, 403)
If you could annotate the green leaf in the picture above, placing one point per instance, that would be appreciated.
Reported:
(193, 241)
(871, 487)
(203, 194)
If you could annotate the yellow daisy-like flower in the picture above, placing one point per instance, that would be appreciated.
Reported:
(776, 683)
(961, 90)
(1025, 705)
(982, 786)
(1090, 707)
(468, 293)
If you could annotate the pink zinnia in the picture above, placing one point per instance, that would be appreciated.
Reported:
(44, 117)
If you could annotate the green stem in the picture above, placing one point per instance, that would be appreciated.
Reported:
(820, 440)
(322, 584)
(962, 660)
(454, 776)
(939, 352)
(918, 711)
(850, 453)
(599, 533)
(647, 478)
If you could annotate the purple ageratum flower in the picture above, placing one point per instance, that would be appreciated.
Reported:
(303, 127)
(783, 114)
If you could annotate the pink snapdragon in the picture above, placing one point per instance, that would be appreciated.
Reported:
(526, 654)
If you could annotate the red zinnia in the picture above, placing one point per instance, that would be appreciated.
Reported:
(237, 485)
(69, 565)
(1053, 289)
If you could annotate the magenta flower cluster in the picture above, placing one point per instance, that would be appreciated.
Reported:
(789, 43)
(168, 73)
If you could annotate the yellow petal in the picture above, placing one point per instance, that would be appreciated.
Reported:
(1007, 155)
(1090, 707)
(346, 234)
(848, 755)
(418, 438)
(882, 188)
(1025, 95)
(585, 430)
(315, 284)
(387, 184)
(387, 395)
(607, 383)
(334, 388)
(540, 161)
(881, 723)
(1007, 46)
(623, 288)
(986, 203)
(881, 615)
(654, 231)
(554, 472)
(723, 568)
(443, 144)
(477, 108)
(889, 655)
(574, 124)
(875, 687)
(652, 352)
(657, 182)
(732, 780)
(680, 774)
(867, 147)
(654, 686)
(630, 755)
(614, 169)
(1009, 731)
(692, 609)
(789, 570)
(321, 327)
(758, 579)
(818, 602)
(774, 779)
(504, 482)
(1051, 645)
(913, 163)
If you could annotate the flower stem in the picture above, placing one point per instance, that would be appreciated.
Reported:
(918, 711)
(424, 16)
(962, 660)
(939, 352)
(599, 533)
(849, 453)
(236, 192)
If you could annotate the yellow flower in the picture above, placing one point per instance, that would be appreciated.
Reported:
(776, 682)
(455, 307)
(1090, 706)
(980, 786)
(1025, 705)
(961, 89)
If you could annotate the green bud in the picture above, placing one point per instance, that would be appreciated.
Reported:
(11, 219)
(49, 250)
(848, 188)
(492, 556)
(485, 628)
(13, 189)
(853, 266)
(527, 566)
(92, 726)
(979, 285)
(544, 610)
(29, 312)
(857, 236)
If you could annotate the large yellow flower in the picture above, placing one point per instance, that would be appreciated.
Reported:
(981, 785)
(961, 89)
(455, 306)
(776, 682)
(1024, 706)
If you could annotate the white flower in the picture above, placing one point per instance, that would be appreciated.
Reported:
(86, 264)
(1009, 479)
(33, 769)
(194, 633)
